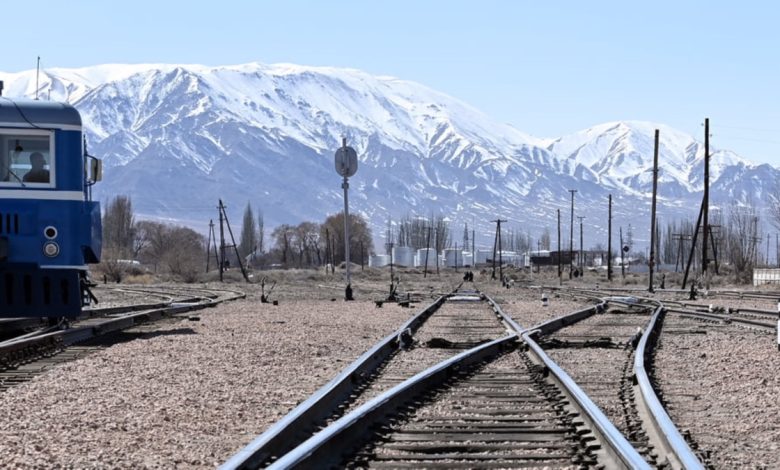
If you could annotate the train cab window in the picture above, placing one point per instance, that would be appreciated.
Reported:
(26, 159)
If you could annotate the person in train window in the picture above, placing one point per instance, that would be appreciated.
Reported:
(37, 174)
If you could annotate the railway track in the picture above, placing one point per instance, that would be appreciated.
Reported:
(486, 401)
(599, 353)
(25, 356)
(690, 393)
(417, 434)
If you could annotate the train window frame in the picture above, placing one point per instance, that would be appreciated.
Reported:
(8, 135)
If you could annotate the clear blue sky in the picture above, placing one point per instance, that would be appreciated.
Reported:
(548, 68)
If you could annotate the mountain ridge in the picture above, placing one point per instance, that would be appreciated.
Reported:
(254, 131)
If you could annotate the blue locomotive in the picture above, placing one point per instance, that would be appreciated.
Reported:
(50, 229)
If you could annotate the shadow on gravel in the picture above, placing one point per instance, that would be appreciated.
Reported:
(155, 334)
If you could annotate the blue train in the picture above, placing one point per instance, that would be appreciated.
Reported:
(50, 229)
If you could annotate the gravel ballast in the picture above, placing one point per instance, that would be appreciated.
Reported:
(721, 383)
(193, 393)
(189, 395)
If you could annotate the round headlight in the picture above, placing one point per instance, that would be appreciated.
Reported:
(51, 249)
(50, 232)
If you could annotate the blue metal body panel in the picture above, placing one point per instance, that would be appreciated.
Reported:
(33, 283)
(49, 114)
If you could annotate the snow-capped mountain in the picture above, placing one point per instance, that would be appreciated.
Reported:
(177, 138)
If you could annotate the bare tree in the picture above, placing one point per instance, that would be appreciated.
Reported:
(308, 236)
(412, 232)
(184, 259)
(742, 237)
(159, 243)
(282, 236)
(545, 239)
(118, 237)
(359, 232)
(248, 240)
(260, 233)
(119, 228)
(773, 207)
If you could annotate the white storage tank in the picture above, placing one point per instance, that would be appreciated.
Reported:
(507, 257)
(403, 256)
(421, 257)
(453, 258)
(378, 261)
(483, 256)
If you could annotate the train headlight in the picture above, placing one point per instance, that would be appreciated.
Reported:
(51, 249)
(50, 232)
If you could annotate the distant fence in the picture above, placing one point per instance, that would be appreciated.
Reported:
(766, 276)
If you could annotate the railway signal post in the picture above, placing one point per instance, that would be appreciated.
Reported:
(346, 166)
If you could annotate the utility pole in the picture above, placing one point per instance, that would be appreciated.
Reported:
(497, 245)
(622, 256)
(693, 245)
(332, 242)
(706, 206)
(327, 250)
(223, 215)
(767, 251)
(680, 237)
(473, 247)
(392, 277)
(582, 249)
(714, 244)
(571, 234)
(609, 242)
(560, 268)
(652, 211)
(208, 245)
(221, 244)
(493, 260)
(427, 250)
(500, 253)
(436, 242)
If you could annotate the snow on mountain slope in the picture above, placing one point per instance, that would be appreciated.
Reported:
(267, 133)
(621, 155)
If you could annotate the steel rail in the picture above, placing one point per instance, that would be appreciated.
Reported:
(321, 449)
(81, 333)
(617, 446)
(768, 313)
(281, 436)
(724, 318)
(666, 434)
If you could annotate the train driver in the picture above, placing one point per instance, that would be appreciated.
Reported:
(37, 174)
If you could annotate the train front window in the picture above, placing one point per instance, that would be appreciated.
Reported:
(26, 159)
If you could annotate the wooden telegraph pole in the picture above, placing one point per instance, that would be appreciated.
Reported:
(582, 249)
(560, 268)
(221, 243)
(652, 211)
(609, 242)
(703, 211)
(706, 206)
(427, 250)
(622, 256)
(571, 234)
(497, 247)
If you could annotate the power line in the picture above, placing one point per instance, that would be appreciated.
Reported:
(754, 129)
